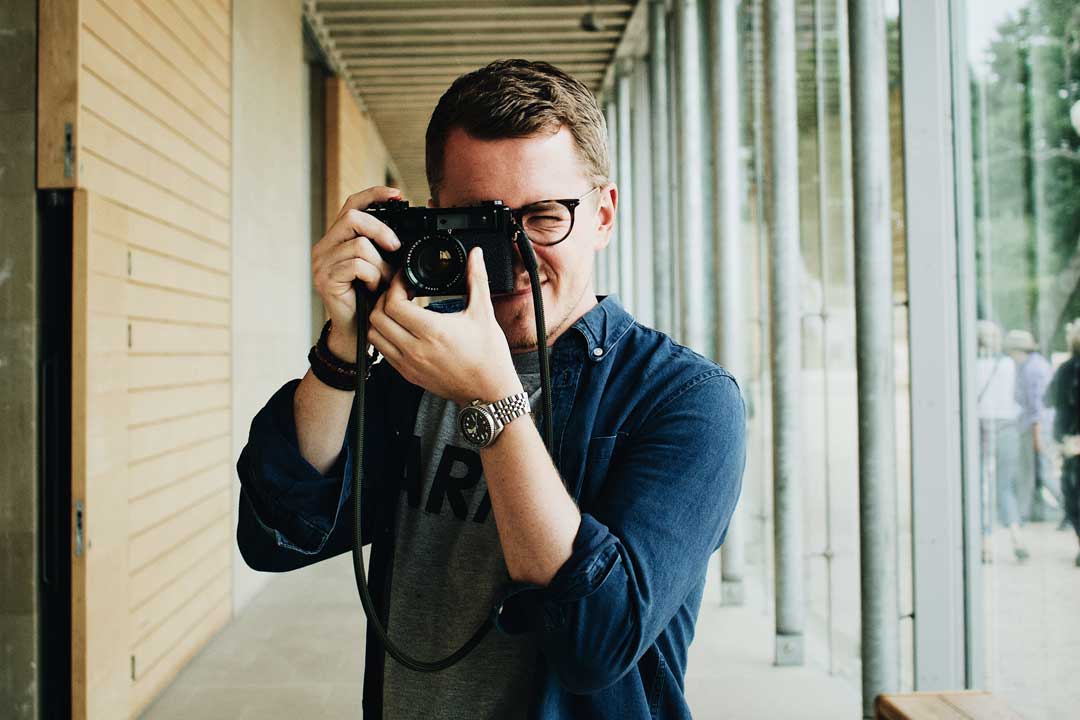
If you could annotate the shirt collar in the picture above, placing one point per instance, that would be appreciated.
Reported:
(603, 326)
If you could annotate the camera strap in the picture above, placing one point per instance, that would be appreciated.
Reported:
(363, 304)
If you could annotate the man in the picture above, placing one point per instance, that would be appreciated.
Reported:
(594, 558)
(1038, 486)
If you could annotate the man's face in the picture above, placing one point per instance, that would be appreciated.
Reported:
(522, 171)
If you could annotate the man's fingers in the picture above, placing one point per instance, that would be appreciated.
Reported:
(388, 327)
(479, 292)
(361, 248)
(345, 271)
(388, 350)
(348, 230)
(358, 223)
(400, 308)
(368, 197)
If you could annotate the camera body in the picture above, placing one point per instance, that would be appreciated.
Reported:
(435, 243)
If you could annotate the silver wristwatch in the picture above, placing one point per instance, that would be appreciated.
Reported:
(481, 423)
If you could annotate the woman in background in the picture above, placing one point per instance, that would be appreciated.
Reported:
(999, 437)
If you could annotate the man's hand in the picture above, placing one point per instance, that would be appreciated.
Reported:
(458, 356)
(347, 252)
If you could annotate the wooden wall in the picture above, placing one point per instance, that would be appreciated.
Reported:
(145, 87)
(356, 157)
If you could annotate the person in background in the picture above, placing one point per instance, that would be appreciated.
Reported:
(999, 438)
(1064, 396)
(1037, 481)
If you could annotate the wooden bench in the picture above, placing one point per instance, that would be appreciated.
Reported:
(954, 705)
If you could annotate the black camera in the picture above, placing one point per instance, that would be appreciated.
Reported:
(435, 243)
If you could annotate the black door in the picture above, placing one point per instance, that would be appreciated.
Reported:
(54, 444)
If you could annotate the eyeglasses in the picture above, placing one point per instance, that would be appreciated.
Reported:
(549, 222)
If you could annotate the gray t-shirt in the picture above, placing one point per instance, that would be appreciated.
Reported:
(448, 568)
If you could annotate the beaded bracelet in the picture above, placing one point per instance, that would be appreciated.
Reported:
(329, 368)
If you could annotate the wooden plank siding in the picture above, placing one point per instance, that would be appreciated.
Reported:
(101, 626)
(169, 207)
(145, 86)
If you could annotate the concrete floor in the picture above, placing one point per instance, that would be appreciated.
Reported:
(296, 652)
(1033, 623)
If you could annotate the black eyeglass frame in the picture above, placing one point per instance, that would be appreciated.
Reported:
(569, 203)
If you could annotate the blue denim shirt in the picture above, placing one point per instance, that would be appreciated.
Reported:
(650, 439)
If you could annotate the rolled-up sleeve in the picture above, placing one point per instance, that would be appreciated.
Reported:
(289, 514)
(665, 508)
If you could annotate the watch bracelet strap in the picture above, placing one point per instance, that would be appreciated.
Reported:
(510, 408)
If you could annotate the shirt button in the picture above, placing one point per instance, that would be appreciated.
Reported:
(598, 352)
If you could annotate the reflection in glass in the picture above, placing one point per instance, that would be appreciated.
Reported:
(1024, 70)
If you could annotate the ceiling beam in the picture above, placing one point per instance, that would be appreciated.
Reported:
(504, 49)
(432, 93)
(366, 83)
(331, 6)
(379, 105)
(471, 58)
(418, 42)
(507, 11)
(435, 71)
(471, 26)
(428, 92)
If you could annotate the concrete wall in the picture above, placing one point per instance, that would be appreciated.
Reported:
(271, 221)
(19, 653)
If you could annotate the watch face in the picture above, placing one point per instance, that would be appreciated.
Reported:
(476, 426)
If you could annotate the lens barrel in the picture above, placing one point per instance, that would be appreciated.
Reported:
(436, 263)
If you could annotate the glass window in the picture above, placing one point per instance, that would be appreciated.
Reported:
(827, 291)
(1024, 71)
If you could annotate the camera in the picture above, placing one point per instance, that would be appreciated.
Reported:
(435, 243)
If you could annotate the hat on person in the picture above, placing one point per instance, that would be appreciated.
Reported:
(1020, 340)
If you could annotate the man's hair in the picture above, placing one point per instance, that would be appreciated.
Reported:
(516, 99)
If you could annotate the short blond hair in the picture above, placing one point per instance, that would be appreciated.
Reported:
(517, 99)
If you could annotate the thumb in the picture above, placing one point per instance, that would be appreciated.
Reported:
(479, 292)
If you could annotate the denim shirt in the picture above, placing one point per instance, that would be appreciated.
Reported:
(650, 440)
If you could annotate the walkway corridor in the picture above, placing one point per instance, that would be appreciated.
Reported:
(295, 653)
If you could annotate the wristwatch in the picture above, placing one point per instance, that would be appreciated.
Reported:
(481, 423)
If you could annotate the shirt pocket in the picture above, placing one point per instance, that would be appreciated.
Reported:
(597, 462)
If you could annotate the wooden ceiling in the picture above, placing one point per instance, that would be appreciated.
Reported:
(399, 56)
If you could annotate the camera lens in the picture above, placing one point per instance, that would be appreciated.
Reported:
(436, 263)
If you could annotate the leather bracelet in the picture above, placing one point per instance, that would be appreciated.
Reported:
(329, 368)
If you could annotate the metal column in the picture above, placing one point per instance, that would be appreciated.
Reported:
(874, 351)
(690, 167)
(724, 113)
(611, 252)
(824, 233)
(939, 211)
(644, 308)
(975, 630)
(663, 259)
(625, 145)
(786, 336)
